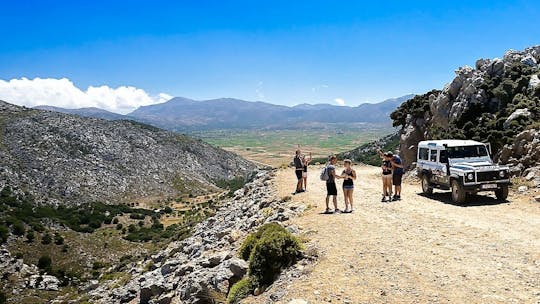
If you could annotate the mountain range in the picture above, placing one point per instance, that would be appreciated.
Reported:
(183, 114)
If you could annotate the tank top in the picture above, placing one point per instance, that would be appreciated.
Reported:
(348, 182)
(387, 164)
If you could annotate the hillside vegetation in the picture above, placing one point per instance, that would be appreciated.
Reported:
(492, 102)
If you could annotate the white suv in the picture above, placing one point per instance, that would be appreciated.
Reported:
(464, 166)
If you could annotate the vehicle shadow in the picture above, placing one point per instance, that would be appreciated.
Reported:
(472, 200)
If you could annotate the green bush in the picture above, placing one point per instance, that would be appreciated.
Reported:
(3, 298)
(4, 233)
(46, 239)
(45, 263)
(30, 237)
(58, 239)
(18, 228)
(240, 290)
(271, 248)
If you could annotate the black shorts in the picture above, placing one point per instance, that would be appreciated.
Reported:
(331, 189)
(396, 179)
(298, 174)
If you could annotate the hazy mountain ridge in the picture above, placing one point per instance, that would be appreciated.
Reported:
(85, 112)
(69, 159)
(183, 114)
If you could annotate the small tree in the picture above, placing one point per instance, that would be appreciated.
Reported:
(46, 239)
(45, 263)
(30, 237)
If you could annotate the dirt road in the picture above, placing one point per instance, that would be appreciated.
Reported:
(418, 250)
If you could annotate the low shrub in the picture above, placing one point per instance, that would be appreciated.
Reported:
(46, 239)
(240, 290)
(45, 263)
(271, 249)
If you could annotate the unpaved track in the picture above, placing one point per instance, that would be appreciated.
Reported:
(418, 250)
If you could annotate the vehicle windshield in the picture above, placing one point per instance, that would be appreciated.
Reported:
(466, 151)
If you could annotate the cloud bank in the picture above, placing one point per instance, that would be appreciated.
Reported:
(340, 101)
(63, 93)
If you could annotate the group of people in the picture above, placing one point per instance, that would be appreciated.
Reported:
(392, 173)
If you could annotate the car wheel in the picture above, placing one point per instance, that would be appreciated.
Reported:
(458, 194)
(425, 185)
(502, 193)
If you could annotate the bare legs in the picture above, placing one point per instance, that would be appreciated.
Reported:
(348, 195)
(328, 201)
(387, 187)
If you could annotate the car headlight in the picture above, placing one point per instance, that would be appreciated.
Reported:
(502, 173)
(470, 176)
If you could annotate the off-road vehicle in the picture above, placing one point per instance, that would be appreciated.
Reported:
(464, 166)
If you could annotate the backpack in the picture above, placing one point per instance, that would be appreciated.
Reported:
(324, 174)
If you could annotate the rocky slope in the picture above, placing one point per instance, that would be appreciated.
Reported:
(492, 102)
(367, 153)
(202, 268)
(61, 158)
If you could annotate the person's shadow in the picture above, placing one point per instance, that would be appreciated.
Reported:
(472, 200)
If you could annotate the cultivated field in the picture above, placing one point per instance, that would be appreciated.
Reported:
(276, 147)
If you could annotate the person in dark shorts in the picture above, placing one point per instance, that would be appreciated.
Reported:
(348, 175)
(397, 175)
(386, 175)
(331, 189)
(298, 170)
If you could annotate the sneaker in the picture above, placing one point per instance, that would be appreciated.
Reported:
(337, 211)
(347, 211)
(396, 198)
(328, 211)
(383, 200)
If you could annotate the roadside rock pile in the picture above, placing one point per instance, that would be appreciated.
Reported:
(205, 265)
(524, 155)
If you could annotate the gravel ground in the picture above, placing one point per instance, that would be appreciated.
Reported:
(418, 250)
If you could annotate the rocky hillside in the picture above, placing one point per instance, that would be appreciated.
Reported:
(492, 102)
(61, 158)
(203, 267)
(367, 153)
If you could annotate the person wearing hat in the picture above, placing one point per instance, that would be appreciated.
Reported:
(386, 175)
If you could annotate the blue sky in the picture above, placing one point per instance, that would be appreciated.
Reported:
(284, 52)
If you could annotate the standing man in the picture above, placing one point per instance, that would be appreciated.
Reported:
(298, 170)
(397, 175)
(331, 189)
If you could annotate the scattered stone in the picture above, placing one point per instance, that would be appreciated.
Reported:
(523, 189)
(537, 198)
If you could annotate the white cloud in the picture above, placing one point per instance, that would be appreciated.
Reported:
(340, 101)
(63, 93)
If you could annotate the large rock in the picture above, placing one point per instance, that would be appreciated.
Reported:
(516, 114)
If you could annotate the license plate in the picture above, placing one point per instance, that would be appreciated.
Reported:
(489, 186)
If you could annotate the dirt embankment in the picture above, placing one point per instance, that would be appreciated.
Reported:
(418, 250)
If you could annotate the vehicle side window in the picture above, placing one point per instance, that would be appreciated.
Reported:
(423, 153)
(442, 156)
(433, 155)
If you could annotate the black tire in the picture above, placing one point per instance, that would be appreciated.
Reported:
(502, 193)
(426, 188)
(458, 194)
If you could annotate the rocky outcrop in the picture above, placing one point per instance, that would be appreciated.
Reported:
(480, 103)
(205, 264)
(64, 158)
